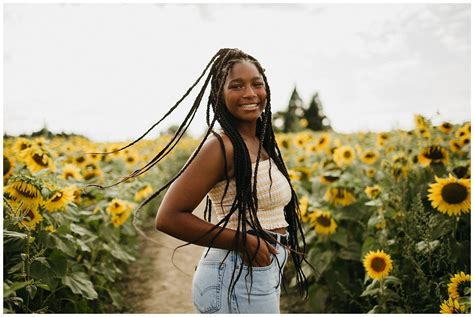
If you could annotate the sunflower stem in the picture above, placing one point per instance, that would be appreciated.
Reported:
(381, 293)
(27, 265)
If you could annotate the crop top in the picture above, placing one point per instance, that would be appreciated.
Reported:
(270, 204)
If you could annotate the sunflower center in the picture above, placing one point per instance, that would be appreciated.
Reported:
(130, 159)
(68, 174)
(31, 215)
(378, 264)
(460, 171)
(454, 193)
(447, 125)
(462, 287)
(6, 165)
(284, 144)
(340, 193)
(322, 141)
(116, 205)
(57, 197)
(330, 178)
(435, 153)
(39, 159)
(80, 159)
(347, 154)
(324, 221)
(25, 190)
(369, 155)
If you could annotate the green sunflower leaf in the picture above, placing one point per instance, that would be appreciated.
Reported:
(80, 284)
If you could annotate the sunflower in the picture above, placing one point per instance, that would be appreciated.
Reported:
(20, 145)
(301, 140)
(8, 167)
(77, 194)
(119, 219)
(311, 148)
(60, 199)
(369, 156)
(303, 204)
(462, 171)
(421, 121)
(25, 190)
(305, 173)
(455, 145)
(452, 306)
(282, 141)
(461, 132)
(433, 154)
(450, 195)
(331, 175)
(445, 127)
(37, 159)
(71, 171)
(465, 140)
(117, 206)
(370, 172)
(344, 155)
(323, 222)
(39, 141)
(339, 196)
(382, 138)
(378, 264)
(29, 216)
(50, 229)
(423, 132)
(91, 170)
(373, 191)
(131, 158)
(143, 192)
(294, 175)
(328, 179)
(323, 141)
(459, 283)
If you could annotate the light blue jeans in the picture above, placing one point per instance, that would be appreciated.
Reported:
(212, 279)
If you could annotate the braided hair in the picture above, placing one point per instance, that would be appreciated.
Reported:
(245, 203)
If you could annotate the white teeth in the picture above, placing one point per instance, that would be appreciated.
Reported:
(249, 106)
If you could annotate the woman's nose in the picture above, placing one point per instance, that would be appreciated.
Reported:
(249, 93)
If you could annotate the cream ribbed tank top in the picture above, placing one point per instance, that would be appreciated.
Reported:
(271, 201)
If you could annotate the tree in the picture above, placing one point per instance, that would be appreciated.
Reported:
(315, 117)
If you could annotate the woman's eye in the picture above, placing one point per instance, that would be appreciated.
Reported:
(258, 84)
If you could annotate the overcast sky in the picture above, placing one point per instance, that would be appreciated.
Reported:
(110, 71)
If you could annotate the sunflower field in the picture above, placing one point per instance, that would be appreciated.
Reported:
(64, 248)
(386, 215)
(387, 218)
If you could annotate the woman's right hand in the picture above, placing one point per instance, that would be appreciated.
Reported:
(264, 254)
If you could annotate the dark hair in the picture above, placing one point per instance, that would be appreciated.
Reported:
(245, 202)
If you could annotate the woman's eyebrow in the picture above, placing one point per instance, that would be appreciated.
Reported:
(241, 80)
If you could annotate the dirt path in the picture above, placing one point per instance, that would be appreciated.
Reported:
(155, 285)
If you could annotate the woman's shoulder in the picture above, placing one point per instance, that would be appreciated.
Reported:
(218, 142)
(215, 147)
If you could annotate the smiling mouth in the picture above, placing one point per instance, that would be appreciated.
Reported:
(250, 106)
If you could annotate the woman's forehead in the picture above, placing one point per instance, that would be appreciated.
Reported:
(243, 69)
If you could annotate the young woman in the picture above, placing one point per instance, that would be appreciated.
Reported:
(241, 173)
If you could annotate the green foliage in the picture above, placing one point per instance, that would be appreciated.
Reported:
(70, 261)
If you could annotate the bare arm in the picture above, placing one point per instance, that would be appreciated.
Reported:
(175, 216)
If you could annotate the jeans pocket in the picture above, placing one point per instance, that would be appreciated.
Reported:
(207, 286)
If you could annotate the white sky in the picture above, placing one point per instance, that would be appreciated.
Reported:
(110, 71)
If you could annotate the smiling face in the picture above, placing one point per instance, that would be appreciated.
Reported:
(244, 92)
